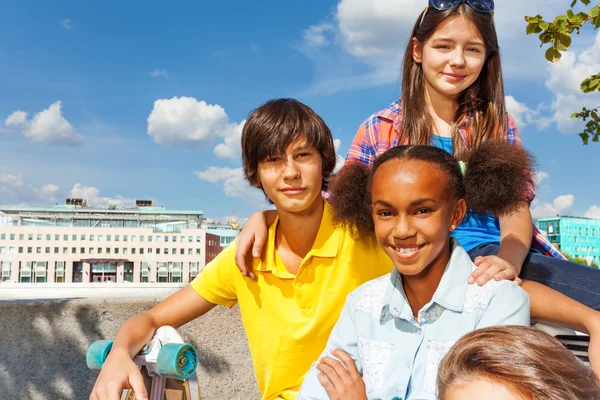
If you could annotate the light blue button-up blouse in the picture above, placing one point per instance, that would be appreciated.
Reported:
(398, 356)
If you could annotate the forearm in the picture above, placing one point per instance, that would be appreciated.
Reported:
(516, 231)
(552, 307)
(269, 216)
(134, 334)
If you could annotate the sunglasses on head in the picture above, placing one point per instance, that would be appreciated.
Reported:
(484, 6)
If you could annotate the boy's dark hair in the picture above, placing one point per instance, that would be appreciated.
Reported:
(271, 128)
(487, 186)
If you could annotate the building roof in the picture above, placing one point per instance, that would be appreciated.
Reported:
(63, 208)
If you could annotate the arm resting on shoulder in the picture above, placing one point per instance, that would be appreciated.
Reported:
(516, 232)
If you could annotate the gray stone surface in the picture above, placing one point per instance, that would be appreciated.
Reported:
(43, 346)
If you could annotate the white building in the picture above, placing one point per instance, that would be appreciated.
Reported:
(76, 243)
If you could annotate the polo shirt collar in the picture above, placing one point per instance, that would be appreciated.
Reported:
(450, 294)
(326, 242)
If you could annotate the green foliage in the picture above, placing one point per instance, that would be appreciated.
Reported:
(578, 260)
(557, 34)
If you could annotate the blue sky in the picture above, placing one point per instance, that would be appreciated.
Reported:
(131, 100)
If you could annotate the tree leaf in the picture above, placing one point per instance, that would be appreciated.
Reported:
(552, 54)
(564, 39)
(584, 137)
(543, 25)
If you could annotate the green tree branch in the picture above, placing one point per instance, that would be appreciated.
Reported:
(558, 35)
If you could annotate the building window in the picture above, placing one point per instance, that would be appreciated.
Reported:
(133, 238)
(21, 236)
(20, 250)
(158, 251)
(38, 250)
(166, 250)
(198, 251)
(12, 236)
(5, 270)
(29, 236)
(128, 272)
(125, 250)
(116, 250)
(144, 272)
(74, 237)
(166, 238)
(141, 250)
(108, 250)
(189, 252)
(182, 251)
(60, 271)
(133, 250)
(29, 250)
(124, 238)
(56, 236)
(65, 237)
(108, 238)
(47, 250)
(40, 271)
(117, 238)
(81, 250)
(158, 238)
(82, 237)
(197, 239)
(193, 270)
(2, 249)
(91, 250)
(56, 250)
(149, 238)
(99, 250)
(65, 250)
(182, 239)
(100, 238)
(39, 236)
(91, 238)
(149, 250)
(141, 238)
(25, 272)
(190, 239)
(3, 236)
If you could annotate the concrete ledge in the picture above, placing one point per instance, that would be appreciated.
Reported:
(32, 291)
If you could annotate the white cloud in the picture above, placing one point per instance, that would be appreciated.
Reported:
(158, 73)
(522, 114)
(234, 184)
(66, 23)
(14, 190)
(564, 82)
(593, 212)
(540, 176)
(93, 198)
(187, 121)
(47, 126)
(317, 35)
(562, 205)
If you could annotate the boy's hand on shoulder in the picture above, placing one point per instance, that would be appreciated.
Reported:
(340, 378)
(250, 242)
(493, 267)
(119, 372)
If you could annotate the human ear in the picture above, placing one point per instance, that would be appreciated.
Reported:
(417, 53)
(458, 214)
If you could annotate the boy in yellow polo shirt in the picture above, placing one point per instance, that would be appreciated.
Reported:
(302, 280)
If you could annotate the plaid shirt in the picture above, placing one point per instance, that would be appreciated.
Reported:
(381, 132)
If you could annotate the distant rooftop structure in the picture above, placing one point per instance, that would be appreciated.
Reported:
(76, 213)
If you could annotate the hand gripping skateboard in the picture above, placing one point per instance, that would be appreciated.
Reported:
(167, 364)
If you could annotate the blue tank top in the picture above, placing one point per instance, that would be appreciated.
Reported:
(476, 228)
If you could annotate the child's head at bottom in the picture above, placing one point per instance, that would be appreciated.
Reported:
(514, 363)
(414, 197)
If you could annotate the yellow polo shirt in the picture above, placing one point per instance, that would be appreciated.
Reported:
(288, 318)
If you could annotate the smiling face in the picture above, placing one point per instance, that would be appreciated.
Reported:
(413, 213)
(452, 57)
(293, 181)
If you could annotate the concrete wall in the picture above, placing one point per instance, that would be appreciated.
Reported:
(43, 346)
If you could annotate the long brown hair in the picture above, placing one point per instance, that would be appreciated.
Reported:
(526, 360)
(481, 107)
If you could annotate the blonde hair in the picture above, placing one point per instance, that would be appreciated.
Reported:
(528, 361)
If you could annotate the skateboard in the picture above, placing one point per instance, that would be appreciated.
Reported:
(167, 364)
